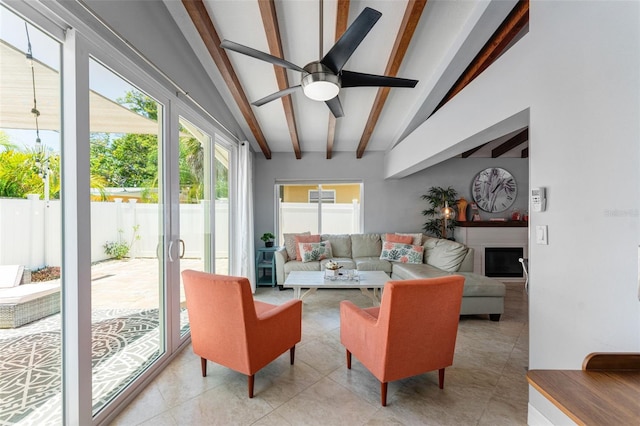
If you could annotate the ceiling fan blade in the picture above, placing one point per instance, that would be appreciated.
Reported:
(357, 79)
(335, 106)
(245, 50)
(276, 95)
(350, 40)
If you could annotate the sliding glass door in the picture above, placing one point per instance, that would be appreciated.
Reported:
(127, 219)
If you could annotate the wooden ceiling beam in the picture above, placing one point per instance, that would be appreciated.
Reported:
(409, 23)
(272, 30)
(472, 151)
(511, 143)
(202, 21)
(342, 17)
(501, 38)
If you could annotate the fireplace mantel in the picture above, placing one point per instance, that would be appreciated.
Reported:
(485, 234)
(494, 224)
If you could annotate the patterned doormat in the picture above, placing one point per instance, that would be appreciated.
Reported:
(123, 346)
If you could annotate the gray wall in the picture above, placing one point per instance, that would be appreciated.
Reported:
(389, 205)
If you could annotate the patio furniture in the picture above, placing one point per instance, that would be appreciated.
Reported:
(413, 331)
(26, 303)
(228, 327)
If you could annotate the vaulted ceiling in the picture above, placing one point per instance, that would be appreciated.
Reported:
(444, 44)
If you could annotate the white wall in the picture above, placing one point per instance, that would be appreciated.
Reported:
(389, 204)
(576, 74)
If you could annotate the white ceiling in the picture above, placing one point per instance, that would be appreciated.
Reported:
(449, 35)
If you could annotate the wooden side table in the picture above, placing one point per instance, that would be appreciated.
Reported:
(266, 266)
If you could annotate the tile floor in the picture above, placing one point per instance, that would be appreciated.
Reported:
(485, 386)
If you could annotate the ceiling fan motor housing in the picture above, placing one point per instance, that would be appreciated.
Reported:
(319, 82)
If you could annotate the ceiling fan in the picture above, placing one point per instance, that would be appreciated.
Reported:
(322, 80)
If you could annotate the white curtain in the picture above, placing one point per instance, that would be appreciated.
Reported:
(243, 259)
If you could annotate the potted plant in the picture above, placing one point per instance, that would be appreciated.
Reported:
(442, 216)
(268, 237)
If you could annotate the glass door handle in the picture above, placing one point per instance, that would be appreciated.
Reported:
(183, 249)
(169, 251)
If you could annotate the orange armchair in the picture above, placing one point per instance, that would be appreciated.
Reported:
(228, 327)
(413, 331)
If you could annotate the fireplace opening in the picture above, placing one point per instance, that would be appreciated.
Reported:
(503, 262)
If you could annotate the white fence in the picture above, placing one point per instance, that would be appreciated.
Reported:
(31, 232)
(302, 217)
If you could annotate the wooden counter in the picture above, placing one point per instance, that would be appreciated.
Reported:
(593, 396)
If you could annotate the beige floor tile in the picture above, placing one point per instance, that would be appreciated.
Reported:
(486, 384)
(318, 405)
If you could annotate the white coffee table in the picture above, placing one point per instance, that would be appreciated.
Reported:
(313, 280)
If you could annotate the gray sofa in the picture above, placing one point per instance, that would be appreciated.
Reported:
(482, 295)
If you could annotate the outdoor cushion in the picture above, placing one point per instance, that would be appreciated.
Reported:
(10, 275)
(397, 238)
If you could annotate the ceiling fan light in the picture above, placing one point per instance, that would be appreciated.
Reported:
(321, 90)
(319, 83)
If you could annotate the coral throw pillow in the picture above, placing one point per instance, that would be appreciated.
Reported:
(305, 239)
(403, 253)
(396, 238)
(315, 251)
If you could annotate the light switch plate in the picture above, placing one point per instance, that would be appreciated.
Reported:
(541, 235)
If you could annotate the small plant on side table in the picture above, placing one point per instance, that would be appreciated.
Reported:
(268, 237)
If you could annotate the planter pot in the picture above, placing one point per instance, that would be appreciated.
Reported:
(268, 244)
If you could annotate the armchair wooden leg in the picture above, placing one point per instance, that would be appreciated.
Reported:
(383, 393)
(348, 360)
(203, 365)
(292, 354)
(250, 380)
(441, 378)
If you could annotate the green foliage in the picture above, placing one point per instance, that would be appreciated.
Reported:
(120, 249)
(19, 172)
(267, 236)
(436, 197)
(141, 104)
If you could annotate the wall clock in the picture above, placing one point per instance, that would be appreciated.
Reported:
(494, 189)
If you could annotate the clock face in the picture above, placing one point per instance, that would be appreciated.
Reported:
(494, 189)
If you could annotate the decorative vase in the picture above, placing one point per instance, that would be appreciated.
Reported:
(462, 210)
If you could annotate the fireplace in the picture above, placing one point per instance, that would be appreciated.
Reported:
(503, 262)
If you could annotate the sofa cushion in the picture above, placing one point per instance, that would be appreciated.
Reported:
(447, 255)
(397, 238)
(305, 239)
(429, 244)
(310, 252)
(290, 243)
(372, 264)
(295, 265)
(340, 244)
(403, 253)
(414, 271)
(366, 245)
